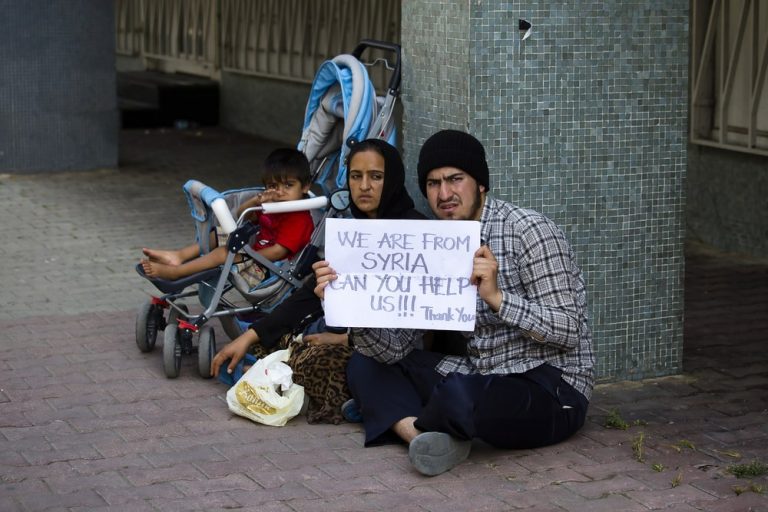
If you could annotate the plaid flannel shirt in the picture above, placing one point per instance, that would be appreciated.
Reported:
(543, 315)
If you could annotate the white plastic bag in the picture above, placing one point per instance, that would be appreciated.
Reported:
(266, 393)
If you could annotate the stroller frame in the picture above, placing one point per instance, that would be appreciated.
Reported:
(181, 326)
(328, 102)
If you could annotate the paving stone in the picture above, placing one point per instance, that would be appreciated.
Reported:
(12, 458)
(663, 498)
(120, 447)
(198, 487)
(47, 500)
(616, 484)
(39, 457)
(119, 424)
(748, 501)
(9, 503)
(23, 488)
(118, 497)
(37, 431)
(137, 505)
(288, 493)
(257, 467)
(68, 483)
(213, 501)
(299, 460)
(96, 466)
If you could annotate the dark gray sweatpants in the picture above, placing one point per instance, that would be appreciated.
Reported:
(527, 410)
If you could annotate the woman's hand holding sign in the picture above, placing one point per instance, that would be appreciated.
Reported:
(485, 270)
(324, 274)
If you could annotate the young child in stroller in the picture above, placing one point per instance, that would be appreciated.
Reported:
(286, 177)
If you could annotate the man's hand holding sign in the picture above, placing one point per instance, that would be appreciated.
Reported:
(415, 274)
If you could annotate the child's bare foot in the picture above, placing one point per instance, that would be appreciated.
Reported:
(160, 270)
(159, 256)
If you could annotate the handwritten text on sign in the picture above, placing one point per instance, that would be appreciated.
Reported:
(401, 273)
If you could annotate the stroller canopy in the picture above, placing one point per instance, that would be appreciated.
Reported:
(341, 110)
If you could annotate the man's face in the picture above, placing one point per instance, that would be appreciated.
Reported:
(453, 194)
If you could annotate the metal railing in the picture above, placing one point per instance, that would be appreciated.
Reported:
(285, 39)
(128, 27)
(170, 35)
(291, 38)
(729, 59)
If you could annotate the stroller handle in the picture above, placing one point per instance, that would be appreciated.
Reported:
(295, 206)
(224, 216)
(281, 207)
(394, 81)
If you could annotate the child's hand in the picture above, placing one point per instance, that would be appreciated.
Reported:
(268, 196)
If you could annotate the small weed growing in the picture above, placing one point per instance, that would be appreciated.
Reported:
(730, 453)
(753, 487)
(614, 420)
(683, 443)
(753, 469)
(677, 480)
(637, 446)
(658, 467)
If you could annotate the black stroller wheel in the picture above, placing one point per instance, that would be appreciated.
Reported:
(205, 351)
(148, 320)
(172, 351)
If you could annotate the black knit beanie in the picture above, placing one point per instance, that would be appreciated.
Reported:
(452, 148)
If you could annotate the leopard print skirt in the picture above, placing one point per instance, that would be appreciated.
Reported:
(322, 370)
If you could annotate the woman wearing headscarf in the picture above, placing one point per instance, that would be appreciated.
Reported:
(376, 182)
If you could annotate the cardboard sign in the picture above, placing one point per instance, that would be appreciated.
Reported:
(401, 273)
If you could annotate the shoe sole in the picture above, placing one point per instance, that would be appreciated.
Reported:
(432, 453)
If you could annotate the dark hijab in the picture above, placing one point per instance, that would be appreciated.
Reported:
(395, 202)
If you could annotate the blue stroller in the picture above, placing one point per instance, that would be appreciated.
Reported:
(343, 107)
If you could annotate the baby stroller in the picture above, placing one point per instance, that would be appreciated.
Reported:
(343, 107)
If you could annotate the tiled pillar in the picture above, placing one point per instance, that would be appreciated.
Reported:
(585, 121)
(58, 99)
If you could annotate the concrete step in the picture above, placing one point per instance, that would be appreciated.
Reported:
(151, 99)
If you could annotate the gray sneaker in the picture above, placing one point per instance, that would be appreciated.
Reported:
(432, 453)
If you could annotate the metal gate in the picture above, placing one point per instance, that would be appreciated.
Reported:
(286, 39)
(729, 57)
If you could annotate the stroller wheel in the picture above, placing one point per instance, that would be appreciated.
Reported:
(172, 351)
(205, 351)
(173, 315)
(148, 320)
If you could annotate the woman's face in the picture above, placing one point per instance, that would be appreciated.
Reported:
(366, 181)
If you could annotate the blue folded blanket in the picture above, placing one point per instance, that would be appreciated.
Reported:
(231, 378)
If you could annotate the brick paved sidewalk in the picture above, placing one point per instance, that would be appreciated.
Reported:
(87, 422)
(71, 239)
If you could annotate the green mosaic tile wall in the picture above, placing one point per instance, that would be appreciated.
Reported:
(584, 121)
